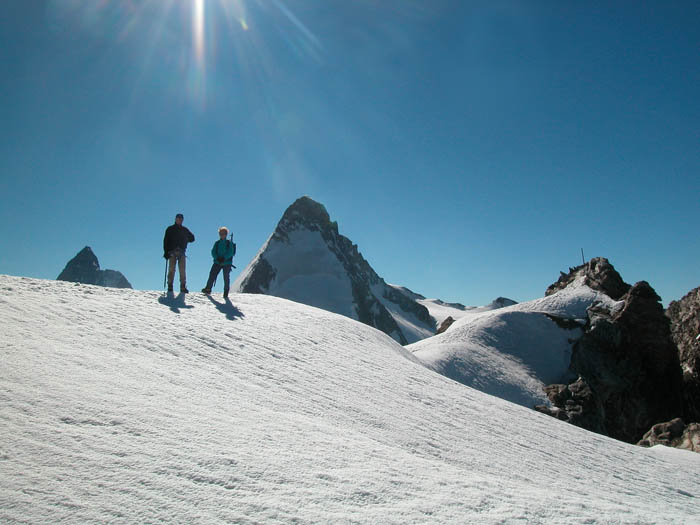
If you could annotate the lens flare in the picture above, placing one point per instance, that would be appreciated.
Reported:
(198, 32)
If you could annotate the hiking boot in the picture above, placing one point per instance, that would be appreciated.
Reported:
(183, 289)
(225, 294)
(170, 288)
(206, 290)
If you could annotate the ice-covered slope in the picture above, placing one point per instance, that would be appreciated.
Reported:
(124, 406)
(307, 260)
(512, 352)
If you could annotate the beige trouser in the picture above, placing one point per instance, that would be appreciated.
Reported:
(177, 257)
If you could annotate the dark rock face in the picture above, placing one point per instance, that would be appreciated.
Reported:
(674, 433)
(685, 331)
(305, 213)
(627, 366)
(85, 268)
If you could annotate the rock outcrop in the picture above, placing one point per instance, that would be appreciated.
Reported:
(85, 268)
(445, 325)
(685, 330)
(598, 274)
(673, 433)
(308, 261)
(626, 363)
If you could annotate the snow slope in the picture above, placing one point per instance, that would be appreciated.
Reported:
(512, 352)
(441, 310)
(126, 406)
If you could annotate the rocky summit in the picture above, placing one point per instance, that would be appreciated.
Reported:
(685, 330)
(307, 260)
(627, 367)
(85, 268)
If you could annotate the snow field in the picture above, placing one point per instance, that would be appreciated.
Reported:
(512, 352)
(127, 406)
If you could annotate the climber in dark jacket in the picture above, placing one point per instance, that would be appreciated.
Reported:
(222, 252)
(174, 248)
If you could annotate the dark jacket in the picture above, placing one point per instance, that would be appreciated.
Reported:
(176, 237)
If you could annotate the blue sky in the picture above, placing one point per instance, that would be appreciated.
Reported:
(470, 149)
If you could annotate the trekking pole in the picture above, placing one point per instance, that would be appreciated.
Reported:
(165, 275)
(234, 252)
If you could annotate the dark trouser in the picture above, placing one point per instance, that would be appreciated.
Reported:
(215, 269)
(177, 257)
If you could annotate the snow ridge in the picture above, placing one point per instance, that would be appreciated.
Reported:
(130, 406)
(514, 351)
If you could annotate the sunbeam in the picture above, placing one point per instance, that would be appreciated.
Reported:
(198, 32)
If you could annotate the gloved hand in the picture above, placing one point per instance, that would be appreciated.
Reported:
(219, 260)
(165, 256)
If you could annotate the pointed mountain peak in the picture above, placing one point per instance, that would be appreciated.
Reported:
(307, 208)
(308, 261)
(308, 213)
(85, 268)
(86, 255)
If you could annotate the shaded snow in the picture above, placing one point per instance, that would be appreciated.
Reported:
(306, 272)
(126, 406)
(412, 328)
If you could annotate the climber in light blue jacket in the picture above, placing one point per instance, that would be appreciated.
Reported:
(222, 252)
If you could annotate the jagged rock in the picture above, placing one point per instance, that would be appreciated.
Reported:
(85, 268)
(307, 260)
(598, 274)
(685, 331)
(674, 433)
(445, 325)
(628, 368)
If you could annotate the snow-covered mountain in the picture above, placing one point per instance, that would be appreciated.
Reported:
(512, 351)
(306, 260)
(132, 407)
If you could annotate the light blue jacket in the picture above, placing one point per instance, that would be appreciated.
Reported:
(223, 248)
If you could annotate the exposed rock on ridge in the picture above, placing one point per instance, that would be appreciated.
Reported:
(85, 268)
(627, 366)
(685, 330)
(673, 433)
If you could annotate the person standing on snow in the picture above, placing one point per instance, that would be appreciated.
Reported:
(222, 252)
(174, 248)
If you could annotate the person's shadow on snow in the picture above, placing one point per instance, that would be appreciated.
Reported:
(231, 312)
(175, 303)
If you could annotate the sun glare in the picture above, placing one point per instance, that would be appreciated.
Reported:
(198, 32)
(192, 33)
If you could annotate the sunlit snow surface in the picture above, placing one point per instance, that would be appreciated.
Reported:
(125, 406)
(512, 352)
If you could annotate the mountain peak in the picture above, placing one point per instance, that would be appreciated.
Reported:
(307, 208)
(308, 261)
(85, 268)
(598, 274)
(307, 213)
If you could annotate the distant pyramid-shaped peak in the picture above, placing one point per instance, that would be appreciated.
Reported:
(85, 268)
